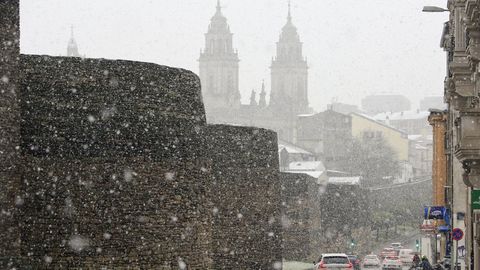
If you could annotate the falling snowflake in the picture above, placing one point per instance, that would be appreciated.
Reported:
(170, 176)
(47, 259)
(5, 79)
(78, 243)
(181, 264)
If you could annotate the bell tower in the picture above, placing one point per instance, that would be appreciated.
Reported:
(289, 73)
(219, 66)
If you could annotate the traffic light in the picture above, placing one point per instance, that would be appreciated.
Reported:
(417, 244)
(352, 243)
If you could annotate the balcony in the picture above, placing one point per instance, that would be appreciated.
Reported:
(467, 148)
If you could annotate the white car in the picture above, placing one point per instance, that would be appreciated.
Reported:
(334, 261)
(391, 263)
(371, 260)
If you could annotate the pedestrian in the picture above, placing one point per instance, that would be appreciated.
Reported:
(425, 264)
(416, 260)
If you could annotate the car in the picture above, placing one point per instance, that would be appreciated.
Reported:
(334, 261)
(392, 263)
(371, 260)
(406, 255)
(355, 260)
(388, 252)
(396, 246)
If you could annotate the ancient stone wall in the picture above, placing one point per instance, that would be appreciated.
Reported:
(245, 198)
(74, 107)
(113, 175)
(9, 131)
(121, 170)
(301, 216)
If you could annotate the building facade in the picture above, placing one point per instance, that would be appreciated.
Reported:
(461, 41)
(326, 134)
(364, 126)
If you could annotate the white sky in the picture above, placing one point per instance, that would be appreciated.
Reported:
(354, 48)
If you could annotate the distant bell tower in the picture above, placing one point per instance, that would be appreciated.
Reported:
(72, 49)
(289, 73)
(219, 66)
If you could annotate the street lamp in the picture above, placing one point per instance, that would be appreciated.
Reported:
(433, 9)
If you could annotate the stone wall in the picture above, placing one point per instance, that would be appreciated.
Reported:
(120, 170)
(404, 200)
(301, 215)
(113, 173)
(74, 107)
(9, 130)
(245, 197)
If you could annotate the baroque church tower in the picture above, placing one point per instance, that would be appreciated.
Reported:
(289, 73)
(219, 66)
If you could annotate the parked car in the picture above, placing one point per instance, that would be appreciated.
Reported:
(406, 255)
(391, 263)
(396, 246)
(355, 260)
(371, 261)
(334, 261)
(388, 252)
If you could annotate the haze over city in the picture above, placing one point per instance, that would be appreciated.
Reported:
(353, 48)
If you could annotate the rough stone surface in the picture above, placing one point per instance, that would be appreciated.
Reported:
(245, 197)
(9, 130)
(99, 108)
(301, 215)
(113, 172)
(120, 170)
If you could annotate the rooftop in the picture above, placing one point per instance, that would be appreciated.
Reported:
(306, 166)
(406, 115)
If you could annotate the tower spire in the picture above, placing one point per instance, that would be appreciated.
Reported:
(72, 49)
(219, 7)
(289, 11)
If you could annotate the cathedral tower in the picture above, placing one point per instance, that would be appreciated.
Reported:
(72, 49)
(219, 66)
(289, 73)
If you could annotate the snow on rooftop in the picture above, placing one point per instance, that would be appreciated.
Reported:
(306, 166)
(306, 115)
(406, 115)
(414, 137)
(355, 180)
(314, 174)
(292, 149)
